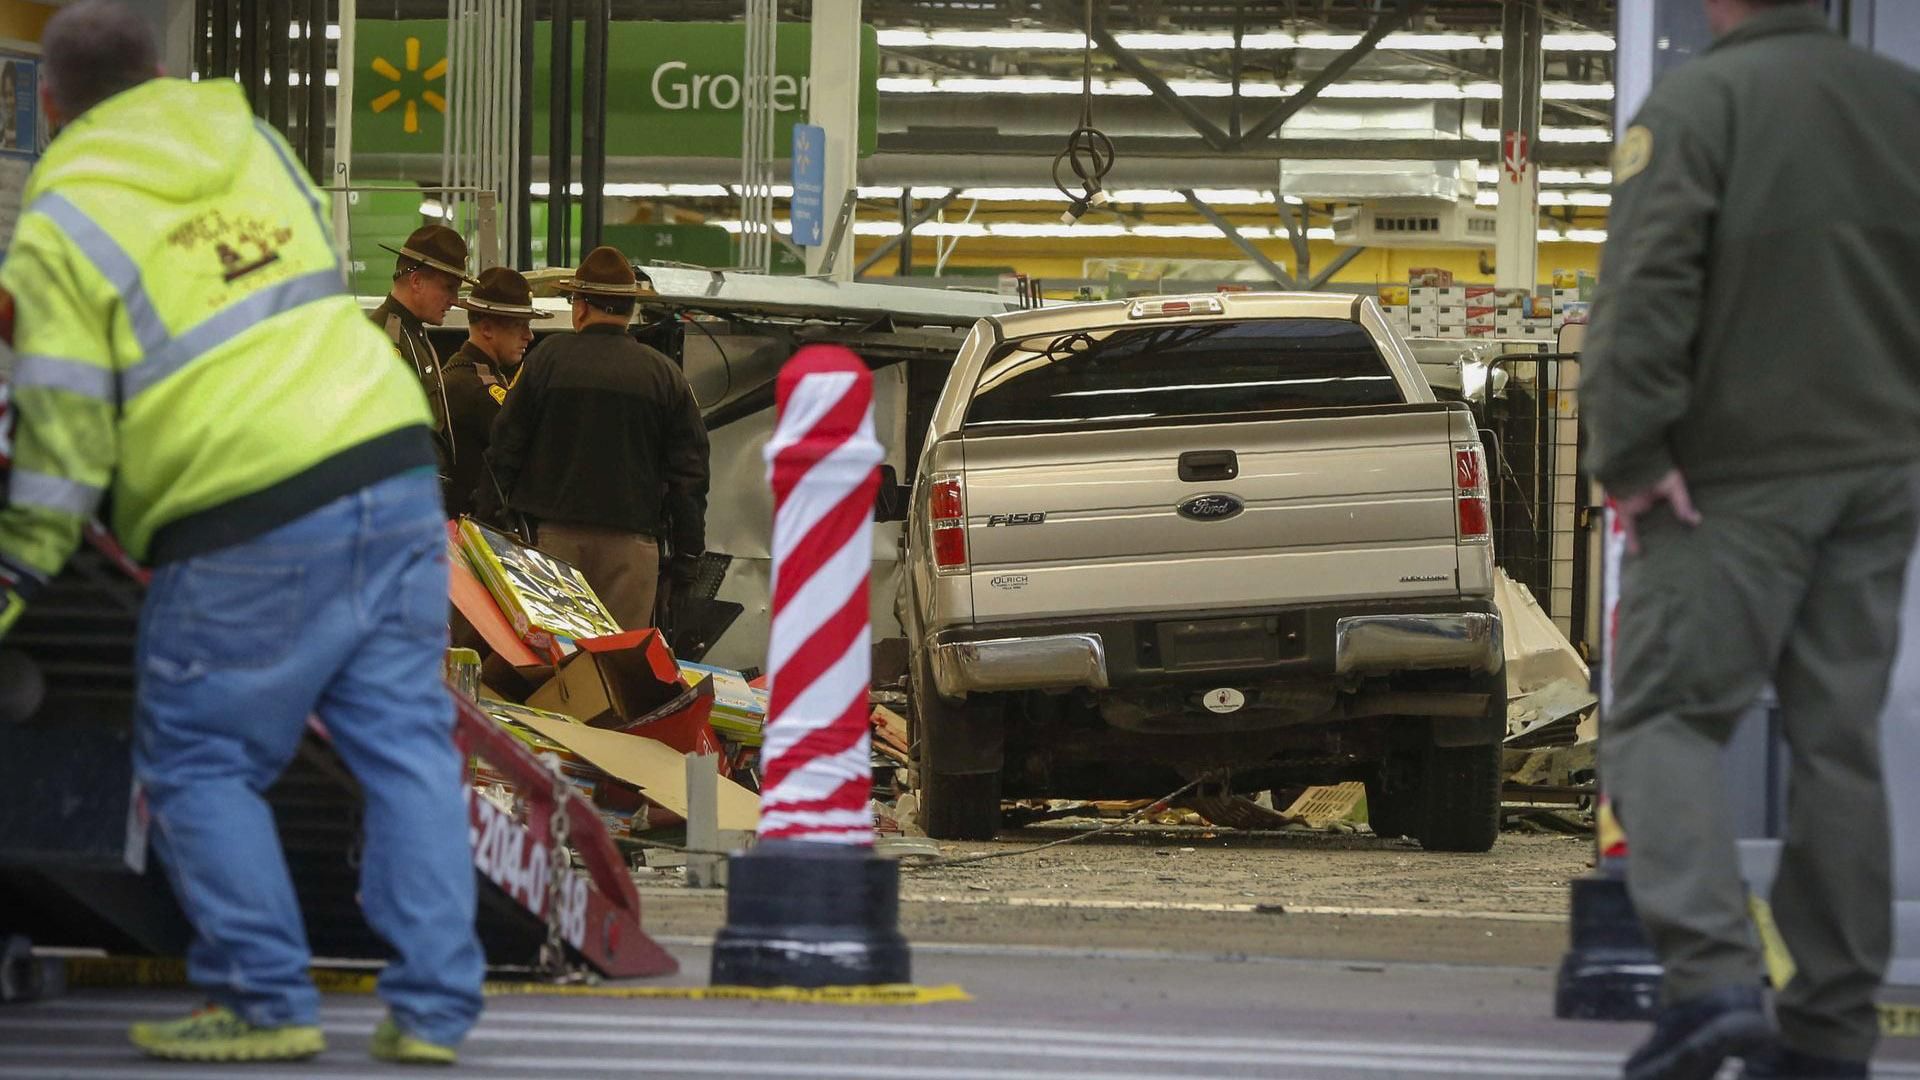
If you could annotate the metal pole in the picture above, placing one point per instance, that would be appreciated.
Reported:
(559, 136)
(523, 139)
(343, 136)
(593, 122)
(835, 106)
(1517, 220)
(280, 56)
(219, 40)
(314, 123)
(202, 21)
(250, 55)
(906, 238)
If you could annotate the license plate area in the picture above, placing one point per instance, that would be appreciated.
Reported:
(1208, 644)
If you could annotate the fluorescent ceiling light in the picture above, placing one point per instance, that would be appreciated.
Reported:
(1552, 198)
(1490, 174)
(898, 38)
(1053, 230)
(1573, 236)
(1203, 88)
(1591, 134)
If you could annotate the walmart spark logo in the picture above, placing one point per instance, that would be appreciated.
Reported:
(385, 69)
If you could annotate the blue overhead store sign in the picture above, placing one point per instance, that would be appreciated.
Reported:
(809, 184)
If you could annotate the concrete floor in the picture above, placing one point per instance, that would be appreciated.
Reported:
(1435, 966)
(1099, 1014)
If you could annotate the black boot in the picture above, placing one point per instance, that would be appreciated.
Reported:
(1691, 1038)
(1775, 1061)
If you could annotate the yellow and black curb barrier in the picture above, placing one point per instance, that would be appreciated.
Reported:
(1896, 1021)
(93, 972)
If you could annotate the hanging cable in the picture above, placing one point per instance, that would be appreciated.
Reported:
(1089, 153)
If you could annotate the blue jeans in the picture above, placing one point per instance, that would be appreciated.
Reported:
(341, 613)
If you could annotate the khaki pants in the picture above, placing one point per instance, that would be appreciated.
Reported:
(622, 567)
(1797, 582)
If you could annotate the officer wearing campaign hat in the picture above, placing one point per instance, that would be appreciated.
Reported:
(427, 274)
(500, 317)
(601, 444)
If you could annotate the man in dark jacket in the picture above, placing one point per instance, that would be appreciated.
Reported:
(1756, 423)
(426, 281)
(601, 443)
(500, 316)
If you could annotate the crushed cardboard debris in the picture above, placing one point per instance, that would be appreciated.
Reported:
(658, 770)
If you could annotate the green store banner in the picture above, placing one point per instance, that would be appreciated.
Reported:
(673, 88)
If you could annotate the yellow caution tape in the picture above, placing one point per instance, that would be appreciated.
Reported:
(1773, 947)
(892, 994)
(1896, 1021)
(119, 972)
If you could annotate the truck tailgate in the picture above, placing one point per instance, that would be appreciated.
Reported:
(1331, 505)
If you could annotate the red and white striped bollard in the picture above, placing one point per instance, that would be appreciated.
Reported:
(811, 905)
(822, 462)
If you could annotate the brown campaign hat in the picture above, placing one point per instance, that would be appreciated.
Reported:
(502, 291)
(606, 272)
(438, 247)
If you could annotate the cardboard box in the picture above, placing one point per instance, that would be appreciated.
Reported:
(1394, 295)
(1480, 295)
(739, 710)
(1430, 276)
(1566, 279)
(658, 770)
(1480, 331)
(1423, 296)
(612, 680)
(549, 603)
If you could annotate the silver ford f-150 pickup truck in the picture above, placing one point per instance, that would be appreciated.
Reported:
(1184, 537)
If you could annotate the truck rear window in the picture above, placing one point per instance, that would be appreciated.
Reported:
(1182, 369)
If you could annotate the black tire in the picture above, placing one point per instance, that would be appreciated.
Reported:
(960, 806)
(953, 805)
(1462, 789)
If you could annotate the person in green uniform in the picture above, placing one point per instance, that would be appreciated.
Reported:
(1752, 394)
(500, 315)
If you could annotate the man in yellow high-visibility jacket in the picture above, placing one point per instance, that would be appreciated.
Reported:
(185, 345)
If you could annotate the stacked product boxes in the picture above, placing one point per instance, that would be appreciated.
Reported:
(1433, 305)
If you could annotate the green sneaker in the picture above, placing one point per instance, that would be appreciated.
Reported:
(394, 1045)
(216, 1034)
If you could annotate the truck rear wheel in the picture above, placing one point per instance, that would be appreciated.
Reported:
(959, 806)
(1462, 798)
(954, 804)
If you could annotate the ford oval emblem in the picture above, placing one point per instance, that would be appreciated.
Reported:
(1211, 508)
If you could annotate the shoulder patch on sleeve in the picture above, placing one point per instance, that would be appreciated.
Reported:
(1633, 154)
(394, 329)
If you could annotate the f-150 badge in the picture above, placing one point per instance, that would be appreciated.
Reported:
(1017, 519)
(1210, 508)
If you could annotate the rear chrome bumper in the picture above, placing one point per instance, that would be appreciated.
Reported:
(1383, 644)
(1029, 663)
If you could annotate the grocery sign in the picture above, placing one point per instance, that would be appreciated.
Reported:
(673, 88)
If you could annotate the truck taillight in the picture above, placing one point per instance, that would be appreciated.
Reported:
(1475, 516)
(947, 508)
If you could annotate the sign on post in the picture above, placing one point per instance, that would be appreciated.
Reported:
(809, 184)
